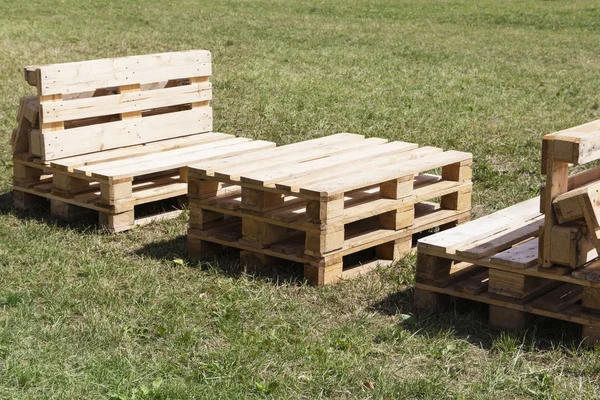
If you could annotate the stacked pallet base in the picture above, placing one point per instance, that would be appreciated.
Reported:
(319, 202)
(494, 260)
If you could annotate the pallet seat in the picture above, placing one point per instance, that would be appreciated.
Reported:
(108, 135)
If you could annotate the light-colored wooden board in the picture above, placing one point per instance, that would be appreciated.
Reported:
(296, 183)
(450, 240)
(503, 240)
(65, 110)
(387, 169)
(224, 165)
(89, 139)
(268, 176)
(294, 158)
(71, 163)
(129, 162)
(166, 162)
(84, 76)
(524, 255)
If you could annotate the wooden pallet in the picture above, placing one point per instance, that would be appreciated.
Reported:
(110, 135)
(319, 201)
(494, 260)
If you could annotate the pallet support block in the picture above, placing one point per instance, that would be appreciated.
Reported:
(68, 186)
(117, 222)
(431, 268)
(507, 319)
(114, 193)
(328, 272)
(201, 250)
(69, 212)
(397, 219)
(323, 241)
(394, 250)
(425, 300)
(27, 201)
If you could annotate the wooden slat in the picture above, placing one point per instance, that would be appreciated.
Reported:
(230, 165)
(268, 176)
(524, 255)
(503, 240)
(390, 170)
(166, 162)
(297, 157)
(560, 298)
(90, 75)
(116, 134)
(129, 162)
(71, 163)
(448, 241)
(295, 184)
(125, 102)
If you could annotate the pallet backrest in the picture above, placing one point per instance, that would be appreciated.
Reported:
(91, 106)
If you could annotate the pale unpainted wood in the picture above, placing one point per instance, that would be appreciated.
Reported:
(71, 163)
(448, 241)
(245, 172)
(368, 148)
(522, 256)
(90, 139)
(503, 240)
(227, 164)
(331, 174)
(181, 160)
(84, 76)
(386, 169)
(125, 102)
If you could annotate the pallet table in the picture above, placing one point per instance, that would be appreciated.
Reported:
(319, 201)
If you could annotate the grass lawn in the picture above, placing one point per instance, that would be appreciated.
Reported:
(87, 315)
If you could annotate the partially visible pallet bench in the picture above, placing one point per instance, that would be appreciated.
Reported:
(494, 260)
(109, 135)
(319, 201)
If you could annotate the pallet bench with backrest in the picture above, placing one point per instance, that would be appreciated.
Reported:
(539, 257)
(109, 135)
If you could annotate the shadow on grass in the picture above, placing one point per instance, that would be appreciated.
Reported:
(468, 320)
(226, 262)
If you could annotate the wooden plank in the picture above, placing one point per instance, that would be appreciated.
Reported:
(560, 298)
(450, 240)
(306, 155)
(567, 206)
(71, 163)
(503, 240)
(387, 169)
(84, 76)
(116, 134)
(268, 176)
(166, 162)
(577, 147)
(524, 255)
(208, 168)
(129, 162)
(125, 102)
(295, 183)
(589, 273)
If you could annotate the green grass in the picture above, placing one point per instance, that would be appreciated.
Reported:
(88, 315)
